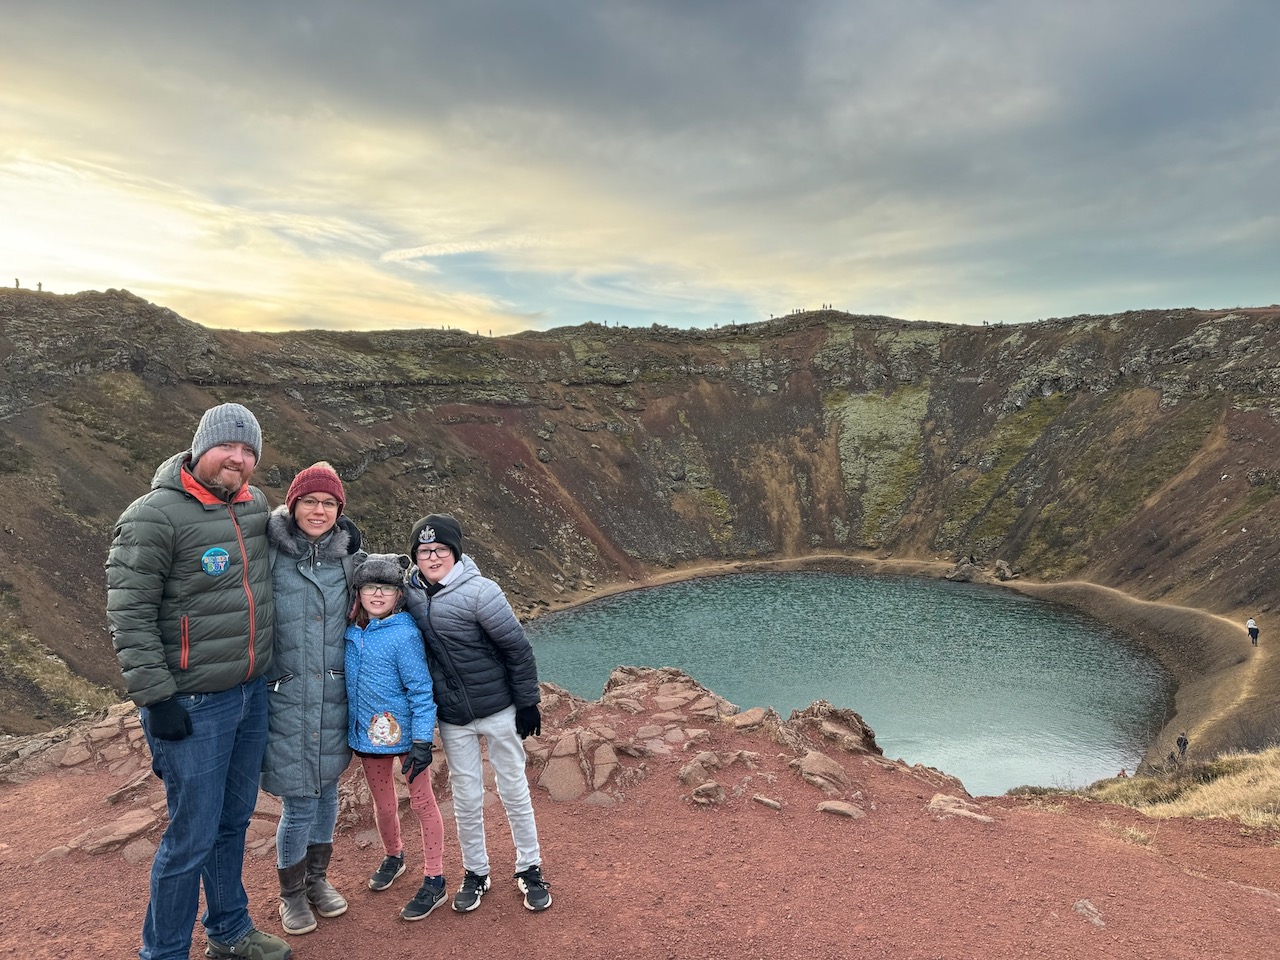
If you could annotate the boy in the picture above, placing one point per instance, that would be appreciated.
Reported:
(486, 687)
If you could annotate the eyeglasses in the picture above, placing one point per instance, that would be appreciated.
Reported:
(310, 503)
(372, 589)
(440, 552)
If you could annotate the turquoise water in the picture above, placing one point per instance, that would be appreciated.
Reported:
(993, 687)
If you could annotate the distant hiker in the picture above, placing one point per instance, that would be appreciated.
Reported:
(1252, 626)
(486, 683)
(189, 605)
(391, 723)
(1182, 744)
(1122, 775)
(312, 573)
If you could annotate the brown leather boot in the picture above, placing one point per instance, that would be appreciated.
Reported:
(295, 913)
(327, 901)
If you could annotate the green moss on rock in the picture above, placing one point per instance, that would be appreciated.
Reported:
(880, 454)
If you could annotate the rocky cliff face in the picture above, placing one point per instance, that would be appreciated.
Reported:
(1134, 450)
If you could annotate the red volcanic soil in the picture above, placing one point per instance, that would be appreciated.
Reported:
(657, 864)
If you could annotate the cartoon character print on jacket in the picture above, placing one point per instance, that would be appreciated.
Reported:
(384, 731)
(388, 686)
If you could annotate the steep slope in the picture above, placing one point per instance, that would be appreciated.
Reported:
(1132, 451)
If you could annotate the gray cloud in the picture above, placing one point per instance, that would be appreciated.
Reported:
(955, 157)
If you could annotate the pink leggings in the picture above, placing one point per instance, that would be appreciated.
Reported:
(379, 774)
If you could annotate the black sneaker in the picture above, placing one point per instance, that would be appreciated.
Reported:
(537, 896)
(468, 896)
(388, 870)
(429, 896)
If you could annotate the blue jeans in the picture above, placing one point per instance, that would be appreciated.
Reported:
(211, 787)
(305, 821)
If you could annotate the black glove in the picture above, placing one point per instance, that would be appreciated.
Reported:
(168, 720)
(528, 721)
(417, 760)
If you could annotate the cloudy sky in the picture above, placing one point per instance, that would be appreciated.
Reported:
(500, 165)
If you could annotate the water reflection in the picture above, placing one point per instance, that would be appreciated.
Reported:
(991, 686)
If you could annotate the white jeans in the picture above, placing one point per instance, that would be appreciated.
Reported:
(466, 779)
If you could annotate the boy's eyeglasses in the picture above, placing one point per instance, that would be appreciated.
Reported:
(372, 589)
(440, 552)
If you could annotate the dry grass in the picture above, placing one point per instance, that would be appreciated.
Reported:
(1128, 834)
(1236, 785)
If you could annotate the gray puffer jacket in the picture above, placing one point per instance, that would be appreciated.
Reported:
(306, 689)
(480, 660)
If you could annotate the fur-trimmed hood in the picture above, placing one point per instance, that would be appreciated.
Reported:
(283, 532)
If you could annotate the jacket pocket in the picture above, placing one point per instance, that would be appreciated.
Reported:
(275, 684)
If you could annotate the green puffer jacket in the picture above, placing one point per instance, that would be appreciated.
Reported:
(189, 588)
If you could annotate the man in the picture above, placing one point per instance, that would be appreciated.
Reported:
(190, 610)
(485, 684)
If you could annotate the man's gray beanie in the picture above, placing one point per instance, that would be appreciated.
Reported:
(226, 423)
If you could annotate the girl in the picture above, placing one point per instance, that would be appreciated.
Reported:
(392, 717)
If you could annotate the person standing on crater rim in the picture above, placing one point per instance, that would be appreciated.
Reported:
(1252, 626)
(312, 575)
(189, 605)
(486, 688)
(392, 720)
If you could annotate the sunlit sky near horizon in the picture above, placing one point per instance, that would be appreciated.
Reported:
(504, 165)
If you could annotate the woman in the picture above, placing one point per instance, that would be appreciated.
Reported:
(313, 567)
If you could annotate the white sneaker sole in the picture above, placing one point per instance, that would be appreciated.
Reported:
(479, 897)
(524, 888)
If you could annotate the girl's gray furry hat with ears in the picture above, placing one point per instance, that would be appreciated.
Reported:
(380, 568)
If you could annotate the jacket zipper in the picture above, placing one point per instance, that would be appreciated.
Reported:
(248, 591)
(185, 657)
(447, 657)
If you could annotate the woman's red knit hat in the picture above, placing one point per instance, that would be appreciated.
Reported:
(317, 478)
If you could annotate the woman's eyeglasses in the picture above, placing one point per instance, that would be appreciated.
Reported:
(310, 503)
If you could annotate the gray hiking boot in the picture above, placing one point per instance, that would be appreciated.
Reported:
(255, 945)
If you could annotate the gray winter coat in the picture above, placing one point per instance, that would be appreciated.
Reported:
(306, 689)
(480, 660)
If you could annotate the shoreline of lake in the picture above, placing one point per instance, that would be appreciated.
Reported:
(1209, 657)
